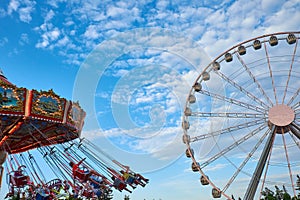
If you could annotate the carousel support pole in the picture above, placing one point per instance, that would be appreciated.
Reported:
(3, 156)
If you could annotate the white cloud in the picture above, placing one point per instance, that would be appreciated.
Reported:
(164, 144)
(283, 20)
(210, 23)
(48, 37)
(216, 167)
(63, 42)
(49, 16)
(24, 39)
(3, 41)
(270, 6)
(13, 6)
(2, 12)
(54, 34)
(55, 3)
(72, 32)
(23, 8)
(25, 14)
(91, 32)
(240, 22)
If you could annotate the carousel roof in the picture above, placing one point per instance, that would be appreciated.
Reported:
(31, 118)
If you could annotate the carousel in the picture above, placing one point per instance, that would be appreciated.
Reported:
(44, 125)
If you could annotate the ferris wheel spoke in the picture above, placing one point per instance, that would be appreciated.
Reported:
(295, 129)
(296, 105)
(229, 115)
(246, 160)
(232, 146)
(294, 139)
(233, 101)
(237, 86)
(288, 162)
(271, 73)
(290, 71)
(254, 79)
(294, 97)
(252, 187)
(296, 126)
(227, 130)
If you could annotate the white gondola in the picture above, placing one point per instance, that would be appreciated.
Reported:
(228, 57)
(242, 50)
(205, 76)
(186, 139)
(192, 98)
(291, 38)
(187, 112)
(256, 44)
(216, 193)
(195, 167)
(216, 66)
(197, 87)
(185, 125)
(204, 180)
(189, 152)
(273, 40)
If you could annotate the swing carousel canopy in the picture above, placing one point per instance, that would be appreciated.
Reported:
(31, 118)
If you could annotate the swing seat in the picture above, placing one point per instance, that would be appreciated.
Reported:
(87, 193)
(130, 180)
(19, 181)
(122, 186)
(95, 183)
(98, 193)
(55, 185)
(84, 176)
(42, 197)
(119, 184)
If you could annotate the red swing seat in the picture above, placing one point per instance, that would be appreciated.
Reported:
(119, 184)
(87, 193)
(84, 176)
(19, 181)
(122, 185)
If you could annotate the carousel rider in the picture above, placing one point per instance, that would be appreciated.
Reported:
(133, 178)
(87, 174)
(81, 174)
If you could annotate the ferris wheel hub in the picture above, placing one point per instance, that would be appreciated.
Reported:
(281, 115)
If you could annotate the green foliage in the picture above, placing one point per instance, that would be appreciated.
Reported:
(278, 194)
(126, 197)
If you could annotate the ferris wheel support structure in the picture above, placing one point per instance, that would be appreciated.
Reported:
(251, 190)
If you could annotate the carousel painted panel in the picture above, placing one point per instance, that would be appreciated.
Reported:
(47, 105)
(76, 115)
(12, 99)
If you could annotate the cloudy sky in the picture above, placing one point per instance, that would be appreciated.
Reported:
(131, 65)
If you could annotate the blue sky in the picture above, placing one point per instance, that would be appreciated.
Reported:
(131, 66)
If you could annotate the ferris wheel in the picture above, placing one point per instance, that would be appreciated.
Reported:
(241, 121)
